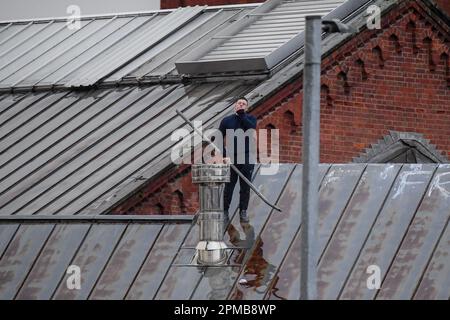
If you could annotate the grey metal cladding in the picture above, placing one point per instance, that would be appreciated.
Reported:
(132, 46)
(159, 60)
(71, 152)
(391, 215)
(48, 53)
(259, 40)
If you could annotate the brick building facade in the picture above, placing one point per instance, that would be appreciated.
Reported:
(396, 78)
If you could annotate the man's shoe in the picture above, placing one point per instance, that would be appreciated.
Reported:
(243, 215)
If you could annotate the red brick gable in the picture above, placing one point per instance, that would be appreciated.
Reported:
(396, 78)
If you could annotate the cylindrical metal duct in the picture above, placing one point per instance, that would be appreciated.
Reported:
(211, 179)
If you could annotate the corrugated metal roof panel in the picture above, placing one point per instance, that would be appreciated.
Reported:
(92, 256)
(389, 229)
(19, 256)
(435, 283)
(132, 46)
(126, 261)
(417, 247)
(394, 216)
(160, 59)
(355, 222)
(158, 262)
(52, 261)
(47, 53)
(65, 152)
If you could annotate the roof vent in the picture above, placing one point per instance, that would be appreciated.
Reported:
(211, 179)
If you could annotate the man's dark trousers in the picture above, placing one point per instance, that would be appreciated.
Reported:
(244, 193)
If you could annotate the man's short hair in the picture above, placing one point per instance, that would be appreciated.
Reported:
(242, 98)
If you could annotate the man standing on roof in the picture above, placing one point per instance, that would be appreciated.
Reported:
(239, 132)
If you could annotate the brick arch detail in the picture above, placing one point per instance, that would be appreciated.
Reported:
(378, 55)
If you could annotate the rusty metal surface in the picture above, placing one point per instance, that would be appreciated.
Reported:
(417, 247)
(390, 227)
(333, 198)
(126, 261)
(52, 262)
(286, 283)
(19, 257)
(6, 233)
(158, 261)
(395, 216)
(274, 240)
(436, 280)
(179, 281)
(92, 257)
(353, 228)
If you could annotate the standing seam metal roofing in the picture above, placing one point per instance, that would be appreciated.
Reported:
(47, 53)
(106, 49)
(81, 152)
(395, 216)
(71, 149)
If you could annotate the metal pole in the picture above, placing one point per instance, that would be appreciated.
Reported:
(310, 154)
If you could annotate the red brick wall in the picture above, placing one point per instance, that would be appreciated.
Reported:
(444, 4)
(172, 193)
(170, 4)
(380, 80)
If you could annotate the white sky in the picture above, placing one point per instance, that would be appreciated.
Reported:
(25, 9)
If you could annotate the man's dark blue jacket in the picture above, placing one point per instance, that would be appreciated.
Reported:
(242, 121)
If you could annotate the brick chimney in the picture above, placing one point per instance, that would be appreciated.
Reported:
(444, 5)
(170, 4)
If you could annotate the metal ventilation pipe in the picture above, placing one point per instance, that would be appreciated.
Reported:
(211, 179)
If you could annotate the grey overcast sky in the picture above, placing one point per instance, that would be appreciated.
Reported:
(25, 9)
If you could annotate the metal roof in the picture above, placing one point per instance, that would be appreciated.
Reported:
(394, 216)
(80, 152)
(47, 53)
(68, 152)
(135, 47)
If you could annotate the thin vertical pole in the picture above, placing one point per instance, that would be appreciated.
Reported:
(310, 154)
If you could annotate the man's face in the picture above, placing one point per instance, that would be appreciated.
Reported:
(241, 104)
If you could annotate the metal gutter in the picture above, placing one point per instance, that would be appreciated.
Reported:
(98, 219)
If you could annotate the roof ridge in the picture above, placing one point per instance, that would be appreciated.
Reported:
(123, 14)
